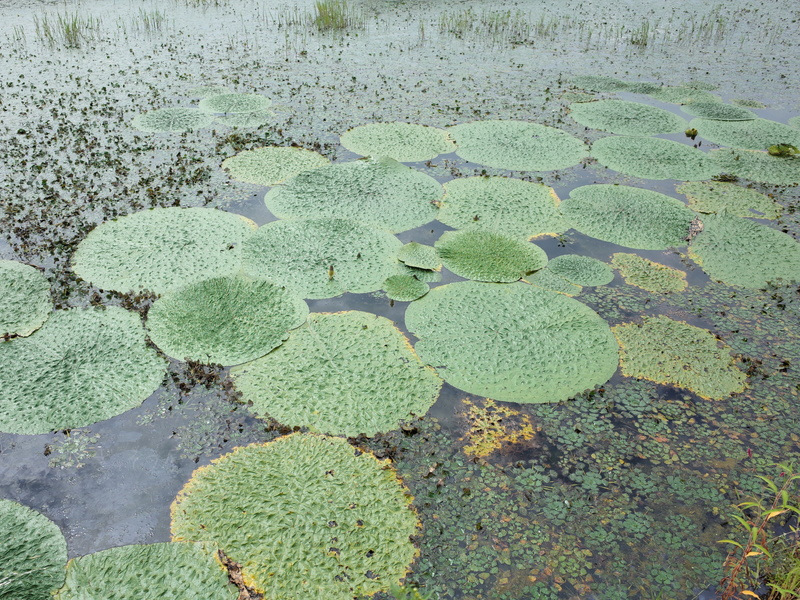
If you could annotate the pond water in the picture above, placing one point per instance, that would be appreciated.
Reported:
(621, 492)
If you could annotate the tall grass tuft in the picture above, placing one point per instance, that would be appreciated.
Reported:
(70, 30)
(150, 21)
(336, 15)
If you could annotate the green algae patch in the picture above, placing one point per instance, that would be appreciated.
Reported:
(404, 288)
(171, 119)
(322, 258)
(548, 280)
(272, 165)
(235, 103)
(161, 249)
(628, 216)
(25, 302)
(736, 251)
(347, 373)
(81, 367)
(581, 270)
(755, 134)
(718, 111)
(404, 142)
(716, 196)
(676, 353)
(512, 342)
(517, 145)
(420, 256)
(648, 275)
(489, 256)
(626, 118)
(683, 94)
(33, 553)
(758, 166)
(226, 320)
(148, 572)
(509, 206)
(379, 192)
(305, 516)
(653, 158)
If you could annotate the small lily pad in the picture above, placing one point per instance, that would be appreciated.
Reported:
(171, 119)
(272, 165)
(653, 158)
(404, 288)
(581, 270)
(420, 256)
(626, 118)
(758, 166)
(683, 94)
(718, 111)
(755, 134)
(25, 302)
(717, 196)
(235, 103)
(600, 83)
(404, 142)
(648, 275)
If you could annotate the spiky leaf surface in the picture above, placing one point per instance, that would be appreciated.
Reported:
(683, 94)
(322, 258)
(235, 103)
(306, 516)
(755, 134)
(148, 572)
(740, 252)
(346, 373)
(548, 280)
(379, 192)
(517, 145)
(581, 270)
(272, 165)
(653, 158)
(511, 206)
(162, 249)
(628, 216)
(489, 256)
(25, 302)
(404, 288)
(420, 256)
(626, 118)
(33, 553)
(226, 320)
(81, 367)
(512, 342)
(718, 111)
(648, 275)
(717, 196)
(171, 119)
(758, 166)
(676, 353)
(404, 142)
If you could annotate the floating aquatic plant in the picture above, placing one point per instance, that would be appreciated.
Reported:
(346, 374)
(795, 122)
(25, 302)
(235, 103)
(683, 94)
(404, 288)
(676, 353)
(493, 427)
(171, 119)
(758, 166)
(305, 516)
(81, 367)
(420, 256)
(718, 111)
(626, 118)
(272, 165)
(517, 145)
(426, 275)
(648, 275)
(546, 279)
(512, 342)
(653, 158)
(755, 134)
(404, 142)
(33, 553)
(379, 192)
(581, 270)
(600, 83)
(717, 196)
(202, 91)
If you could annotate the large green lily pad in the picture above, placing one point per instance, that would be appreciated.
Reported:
(379, 192)
(717, 196)
(648, 275)
(306, 516)
(81, 367)
(272, 165)
(346, 374)
(33, 553)
(653, 158)
(162, 249)
(488, 256)
(25, 302)
(755, 134)
(676, 353)
(758, 166)
(626, 118)
(404, 142)
(581, 270)
(512, 342)
(171, 119)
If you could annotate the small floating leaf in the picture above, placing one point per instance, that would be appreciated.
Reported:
(653, 158)
(404, 142)
(718, 111)
(420, 256)
(171, 119)
(683, 94)
(626, 118)
(235, 103)
(25, 302)
(272, 165)
(581, 270)
(404, 288)
(648, 275)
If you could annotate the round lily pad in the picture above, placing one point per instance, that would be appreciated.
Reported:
(426, 275)
(33, 553)
(148, 572)
(740, 252)
(717, 196)
(404, 288)
(305, 516)
(404, 142)
(25, 302)
(653, 158)
(226, 320)
(81, 367)
(517, 145)
(161, 249)
(346, 374)
(546, 279)
(755, 134)
(748, 103)
(489, 256)
(234, 103)
(511, 206)
(676, 353)
(648, 275)
(420, 256)
(272, 165)
(171, 119)
(626, 118)
(379, 192)
(758, 166)
(628, 216)
(322, 258)
(512, 342)
(683, 94)
(718, 111)
(581, 270)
